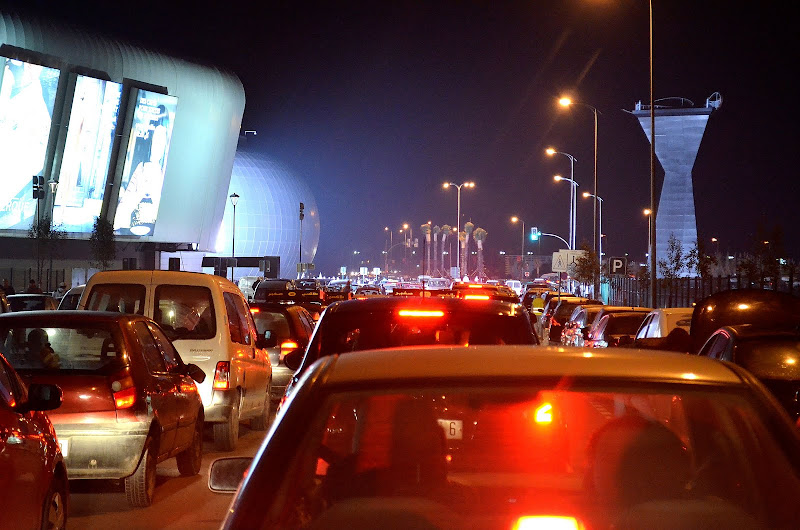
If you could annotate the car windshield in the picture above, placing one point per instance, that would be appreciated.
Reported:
(62, 348)
(487, 456)
(363, 330)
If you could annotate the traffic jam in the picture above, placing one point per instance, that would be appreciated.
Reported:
(422, 402)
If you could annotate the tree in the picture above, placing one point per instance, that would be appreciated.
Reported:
(462, 240)
(426, 231)
(468, 228)
(446, 229)
(47, 238)
(675, 262)
(480, 237)
(102, 243)
(587, 266)
(699, 260)
(436, 230)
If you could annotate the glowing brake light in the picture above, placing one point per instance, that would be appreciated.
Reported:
(547, 522)
(254, 310)
(287, 346)
(544, 413)
(222, 376)
(124, 392)
(476, 297)
(420, 313)
(475, 286)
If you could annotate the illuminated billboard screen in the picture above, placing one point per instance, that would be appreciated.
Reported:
(145, 164)
(87, 154)
(27, 95)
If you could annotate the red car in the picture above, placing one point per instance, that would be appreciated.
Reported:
(129, 400)
(33, 477)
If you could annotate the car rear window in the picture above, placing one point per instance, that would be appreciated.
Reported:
(185, 312)
(117, 297)
(26, 303)
(272, 321)
(344, 332)
(83, 349)
(624, 324)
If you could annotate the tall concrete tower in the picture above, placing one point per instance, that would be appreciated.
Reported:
(679, 129)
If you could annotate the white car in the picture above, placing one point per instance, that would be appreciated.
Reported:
(516, 285)
(660, 322)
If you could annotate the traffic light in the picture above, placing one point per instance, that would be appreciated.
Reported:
(535, 233)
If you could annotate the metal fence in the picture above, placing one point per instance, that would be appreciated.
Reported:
(19, 278)
(684, 292)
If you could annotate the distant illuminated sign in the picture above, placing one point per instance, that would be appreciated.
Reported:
(87, 154)
(145, 164)
(27, 96)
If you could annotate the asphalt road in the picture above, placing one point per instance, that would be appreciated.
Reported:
(180, 502)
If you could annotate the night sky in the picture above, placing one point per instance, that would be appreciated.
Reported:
(376, 104)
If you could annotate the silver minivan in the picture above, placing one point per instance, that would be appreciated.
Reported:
(209, 322)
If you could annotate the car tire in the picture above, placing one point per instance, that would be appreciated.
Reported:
(226, 434)
(263, 420)
(54, 509)
(191, 458)
(141, 486)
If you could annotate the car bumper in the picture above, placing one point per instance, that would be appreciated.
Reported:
(221, 405)
(105, 451)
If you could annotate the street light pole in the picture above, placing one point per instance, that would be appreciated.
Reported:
(458, 222)
(573, 204)
(649, 214)
(516, 219)
(652, 228)
(572, 208)
(234, 199)
(599, 201)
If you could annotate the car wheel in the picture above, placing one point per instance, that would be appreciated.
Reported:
(54, 510)
(227, 433)
(141, 486)
(191, 458)
(262, 421)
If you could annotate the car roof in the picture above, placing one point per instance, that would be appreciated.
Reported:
(47, 318)
(437, 363)
(388, 303)
(148, 277)
(28, 295)
(750, 331)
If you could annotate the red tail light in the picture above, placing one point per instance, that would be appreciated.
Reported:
(124, 392)
(544, 414)
(254, 310)
(288, 346)
(476, 297)
(222, 376)
(547, 522)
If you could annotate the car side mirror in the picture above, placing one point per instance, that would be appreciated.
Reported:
(41, 397)
(267, 340)
(195, 372)
(294, 359)
(226, 474)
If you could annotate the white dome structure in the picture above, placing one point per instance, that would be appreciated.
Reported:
(267, 214)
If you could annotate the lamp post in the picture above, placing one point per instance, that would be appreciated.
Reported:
(715, 241)
(599, 200)
(572, 208)
(386, 256)
(649, 214)
(234, 200)
(566, 102)
(458, 221)
(515, 220)
(652, 229)
(573, 229)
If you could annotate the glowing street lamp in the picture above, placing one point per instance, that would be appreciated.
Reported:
(599, 200)
(649, 213)
(458, 222)
(572, 208)
(572, 194)
(515, 220)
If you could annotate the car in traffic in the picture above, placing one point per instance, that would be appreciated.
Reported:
(576, 328)
(71, 298)
(33, 477)
(615, 329)
(248, 284)
(389, 322)
(485, 291)
(660, 322)
(366, 291)
(129, 399)
(554, 323)
(208, 319)
(283, 328)
(438, 437)
(32, 302)
(770, 354)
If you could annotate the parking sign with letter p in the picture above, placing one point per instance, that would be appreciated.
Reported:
(618, 266)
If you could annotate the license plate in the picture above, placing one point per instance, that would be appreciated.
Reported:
(64, 447)
(453, 429)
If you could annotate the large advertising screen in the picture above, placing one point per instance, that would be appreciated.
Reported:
(27, 96)
(145, 164)
(87, 154)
